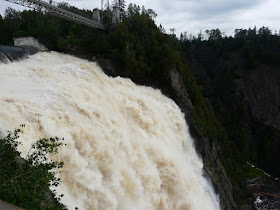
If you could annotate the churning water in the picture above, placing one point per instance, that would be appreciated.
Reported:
(128, 147)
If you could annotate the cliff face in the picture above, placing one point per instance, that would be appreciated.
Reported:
(11, 53)
(208, 150)
(246, 101)
(29, 42)
(261, 88)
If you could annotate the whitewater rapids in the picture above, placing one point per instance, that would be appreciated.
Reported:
(128, 147)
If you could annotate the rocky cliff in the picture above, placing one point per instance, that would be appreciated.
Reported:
(246, 101)
(261, 89)
(208, 150)
(29, 42)
(12, 53)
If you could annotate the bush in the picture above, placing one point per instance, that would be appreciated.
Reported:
(25, 181)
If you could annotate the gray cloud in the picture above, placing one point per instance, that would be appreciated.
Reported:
(217, 7)
(4, 5)
(196, 15)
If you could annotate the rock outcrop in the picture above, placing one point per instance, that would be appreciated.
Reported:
(266, 191)
(261, 88)
(207, 149)
(246, 101)
(29, 42)
(11, 53)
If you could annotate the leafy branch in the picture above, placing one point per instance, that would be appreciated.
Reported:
(25, 181)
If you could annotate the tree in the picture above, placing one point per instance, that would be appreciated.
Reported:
(133, 10)
(184, 36)
(1, 27)
(172, 31)
(25, 181)
(214, 34)
(13, 18)
(151, 13)
(240, 33)
(200, 36)
(1, 22)
(162, 30)
(121, 4)
(264, 32)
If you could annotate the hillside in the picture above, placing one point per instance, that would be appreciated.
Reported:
(240, 77)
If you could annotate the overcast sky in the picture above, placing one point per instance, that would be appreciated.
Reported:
(195, 15)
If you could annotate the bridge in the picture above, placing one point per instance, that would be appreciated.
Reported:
(52, 8)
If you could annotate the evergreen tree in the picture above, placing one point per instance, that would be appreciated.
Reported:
(120, 3)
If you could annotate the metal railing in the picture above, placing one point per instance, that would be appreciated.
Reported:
(52, 7)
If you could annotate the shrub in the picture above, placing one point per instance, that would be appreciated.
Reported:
(25, 181)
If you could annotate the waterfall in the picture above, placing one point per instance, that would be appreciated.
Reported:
(11, 53)
(128, 146)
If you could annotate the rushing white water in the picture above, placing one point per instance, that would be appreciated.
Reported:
(128, 147)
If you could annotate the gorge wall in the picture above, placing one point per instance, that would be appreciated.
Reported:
(246, 101)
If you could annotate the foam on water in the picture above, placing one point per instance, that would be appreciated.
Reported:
(128, 147)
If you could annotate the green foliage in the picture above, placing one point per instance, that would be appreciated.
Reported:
(5, 34)
(226, 58)
(214, 34)
(221, 61)
(240, 173)
(203, 114)
(25, 181)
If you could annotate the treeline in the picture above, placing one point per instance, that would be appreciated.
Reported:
(258, 46)
(225, 62)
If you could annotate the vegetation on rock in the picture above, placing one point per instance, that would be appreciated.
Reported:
(228, 68)
(25, 181)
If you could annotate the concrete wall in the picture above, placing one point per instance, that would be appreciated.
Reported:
(116, 19)
(96, 16)
(29, 42)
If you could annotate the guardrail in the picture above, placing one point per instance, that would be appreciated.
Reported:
(52, 7)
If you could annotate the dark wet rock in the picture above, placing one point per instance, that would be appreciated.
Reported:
(107, 66)
(261, 88)
(12, 53)
(266, 191)
(29, 42)
(246, 102)
(208, 150)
